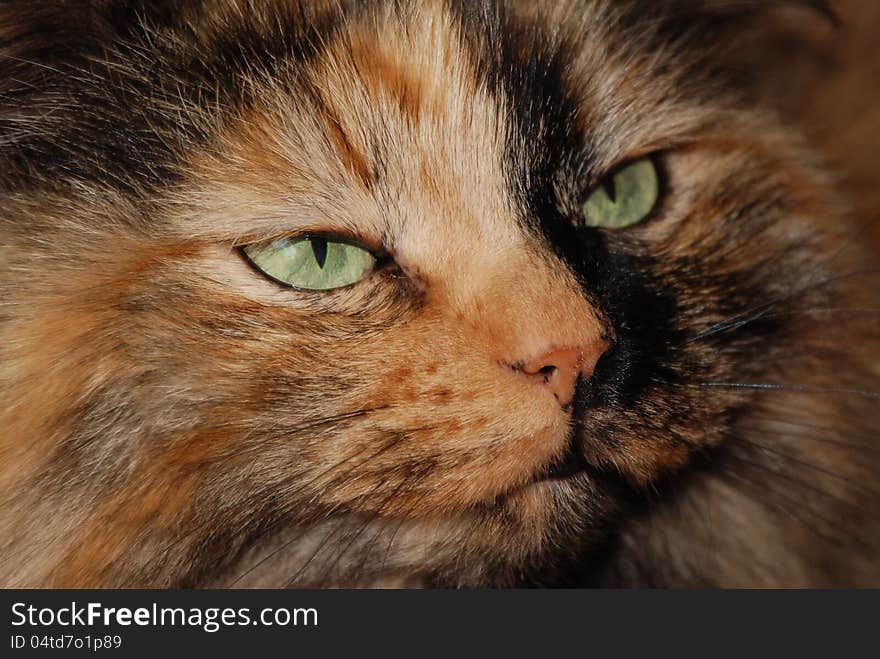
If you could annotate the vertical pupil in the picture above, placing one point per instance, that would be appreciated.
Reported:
(319, 248)
(610, 187)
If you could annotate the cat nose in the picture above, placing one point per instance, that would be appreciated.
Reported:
(558, 369)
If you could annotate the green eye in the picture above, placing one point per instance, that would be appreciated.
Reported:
(316, 264)
(624, 198)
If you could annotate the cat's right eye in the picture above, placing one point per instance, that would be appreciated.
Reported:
(313, 263)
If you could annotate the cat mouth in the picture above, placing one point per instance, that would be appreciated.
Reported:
(571, 466)
(565, 470)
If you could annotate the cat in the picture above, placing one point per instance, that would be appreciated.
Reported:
(438, 293)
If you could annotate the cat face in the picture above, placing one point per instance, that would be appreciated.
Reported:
(483, 402)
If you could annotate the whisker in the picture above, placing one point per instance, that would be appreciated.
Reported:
(238, 451)
(816, 468)
(823, 310)
(757, 312)
(299, 574)
(835, 430)
(799, 388)
(363, 527)
(779, 473)
(812, 438)
(757, 493)
(294, 580)
(304, 488)
(200, 528)
(403, 520)
(336, 480)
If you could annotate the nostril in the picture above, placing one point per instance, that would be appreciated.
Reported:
(558, 369)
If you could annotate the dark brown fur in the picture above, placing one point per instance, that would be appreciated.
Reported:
(171, 418)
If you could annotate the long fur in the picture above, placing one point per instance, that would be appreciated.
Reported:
(171, 418)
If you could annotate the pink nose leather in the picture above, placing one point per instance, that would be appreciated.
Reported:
(558, 369)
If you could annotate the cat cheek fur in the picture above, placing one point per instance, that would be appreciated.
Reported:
(173, 419)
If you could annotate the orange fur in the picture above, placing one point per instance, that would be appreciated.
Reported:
(172, 418)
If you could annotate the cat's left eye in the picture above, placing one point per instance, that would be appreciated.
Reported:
(311, 263)
(625, 197)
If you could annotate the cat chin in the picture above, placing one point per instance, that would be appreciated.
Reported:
(490, 545)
